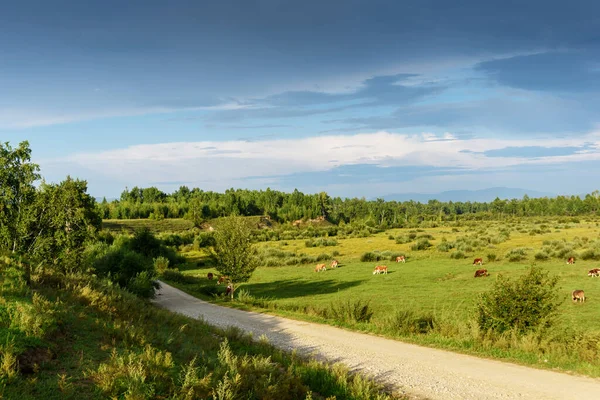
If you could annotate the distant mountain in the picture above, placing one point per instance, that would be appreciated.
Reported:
(484, 195)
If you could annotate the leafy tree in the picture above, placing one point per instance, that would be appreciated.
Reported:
(198, 211)
(233, 251)
(522, 304)
(17, 196)
(66, 218)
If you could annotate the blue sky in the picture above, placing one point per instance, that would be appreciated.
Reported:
(359, 98)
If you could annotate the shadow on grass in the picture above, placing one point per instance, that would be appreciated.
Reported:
(286, 289)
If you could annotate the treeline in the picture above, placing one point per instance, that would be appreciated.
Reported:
(199, 206)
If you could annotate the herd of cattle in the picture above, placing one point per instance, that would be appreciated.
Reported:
(577, 295)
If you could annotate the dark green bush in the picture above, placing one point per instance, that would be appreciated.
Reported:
(408, 322)
(521, 304)
(352, 311)
(422, 244)
(143, 285)
(369, 257)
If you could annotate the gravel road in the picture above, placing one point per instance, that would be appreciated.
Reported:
(417, 371)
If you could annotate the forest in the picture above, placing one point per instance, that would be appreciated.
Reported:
(199, 205)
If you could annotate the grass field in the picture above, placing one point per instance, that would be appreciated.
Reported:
(431, 283)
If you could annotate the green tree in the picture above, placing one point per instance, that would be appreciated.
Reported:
(198, 211)
(66, 218)
(233, 250)
(17, 196)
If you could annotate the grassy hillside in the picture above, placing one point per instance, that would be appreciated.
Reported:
(431, 298)
(79, 338)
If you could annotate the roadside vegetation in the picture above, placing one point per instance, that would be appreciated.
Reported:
(76, 321)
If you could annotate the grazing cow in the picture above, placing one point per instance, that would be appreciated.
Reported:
(571, 260)
(594, 272)
(210, 276)
(481, 272)
(578, 295)
(320, 267)
(334, 264)
(380, 269)
(222, 279)
(400, 259)
(478, 261)
(228, 290)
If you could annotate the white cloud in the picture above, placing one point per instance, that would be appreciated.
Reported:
(228, 163)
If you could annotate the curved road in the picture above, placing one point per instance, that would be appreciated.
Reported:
(413, 370)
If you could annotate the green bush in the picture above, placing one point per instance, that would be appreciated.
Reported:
(422, 244)
(352, 311)
(458, 255)
(517, 254)
(408, 322)
(143, 285)
(445, 246)
(369, 256)
(161, 264)
(320, 242)
(522, 304)
(491, 257)
(541, 255)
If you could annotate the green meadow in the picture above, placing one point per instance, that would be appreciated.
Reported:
(431, 298)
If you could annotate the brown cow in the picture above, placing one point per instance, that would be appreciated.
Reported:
(380, 269)
(222, 279)
(400, 259)
(478, 261)
(594, 272)
(481, 272)
(578, 295)
(571, 260)
(334, 264)
(320, 267)
(210, 276)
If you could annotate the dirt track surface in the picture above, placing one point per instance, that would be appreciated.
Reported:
(417, 371)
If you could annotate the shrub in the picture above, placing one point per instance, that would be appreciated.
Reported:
(491, 257)
(516, 254)
(422, 244)
(457, 255)
(369, 256)
(445, 246)
(408, 322)
(348, 311)
(204, 239)
(541, 255)
(320, 242)
(523, 304)
(143, 285)
(161, 264)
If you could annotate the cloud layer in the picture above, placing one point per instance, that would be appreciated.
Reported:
(217, 165)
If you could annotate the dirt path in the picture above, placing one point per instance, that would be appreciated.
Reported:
(414, 370)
